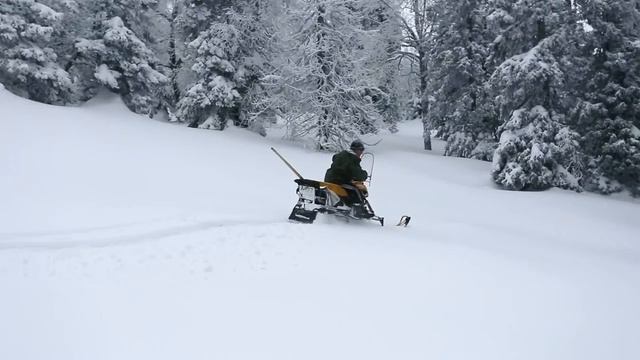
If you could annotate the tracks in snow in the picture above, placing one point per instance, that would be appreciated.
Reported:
(113, 235)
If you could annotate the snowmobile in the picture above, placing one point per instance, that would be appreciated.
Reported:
(347, 201)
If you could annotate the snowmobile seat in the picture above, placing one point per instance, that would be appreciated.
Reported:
(308, 182)
(338, 189)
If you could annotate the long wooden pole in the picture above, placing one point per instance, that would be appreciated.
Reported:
(286, 162)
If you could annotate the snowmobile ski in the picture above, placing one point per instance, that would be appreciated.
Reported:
(404, 221)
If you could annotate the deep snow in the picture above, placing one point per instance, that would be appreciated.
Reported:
(128, 238)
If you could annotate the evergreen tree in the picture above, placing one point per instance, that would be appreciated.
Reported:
(457, 79)
(608, 115)
(536, 152)
(229, 61)
(116, 52)
(213, 99)
(255, 23)
(174, 59)
(28, 64)
(196, 15)
(537, 149)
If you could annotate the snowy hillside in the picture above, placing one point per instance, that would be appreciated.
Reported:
(128, 238)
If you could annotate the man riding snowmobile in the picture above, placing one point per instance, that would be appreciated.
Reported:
(345, 167)
(346, 171)
(343, 192)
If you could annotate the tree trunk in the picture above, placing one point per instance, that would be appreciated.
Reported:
(174, 60)
(323, 131)
(424, 101)
(426, 134)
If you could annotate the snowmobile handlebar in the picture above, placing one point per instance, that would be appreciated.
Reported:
(373, 161)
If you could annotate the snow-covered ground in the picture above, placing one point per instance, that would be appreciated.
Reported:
(128, 238)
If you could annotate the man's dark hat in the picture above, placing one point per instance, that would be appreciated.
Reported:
(357, 145)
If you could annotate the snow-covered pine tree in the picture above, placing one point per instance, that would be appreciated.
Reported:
(254, 20)
(174, 58)
(229, 60)
(608, 116)
(116, 52)
(28, 64)
(196, 15)
(537, 152)
(66, 33)
(322, 97)
(193, 17)
(537, 149)
(457, 79)
(214, 98)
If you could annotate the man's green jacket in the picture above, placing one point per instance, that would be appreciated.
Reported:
(345, 168)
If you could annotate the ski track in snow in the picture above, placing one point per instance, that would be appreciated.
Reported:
(124, 234)
(80, 230)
